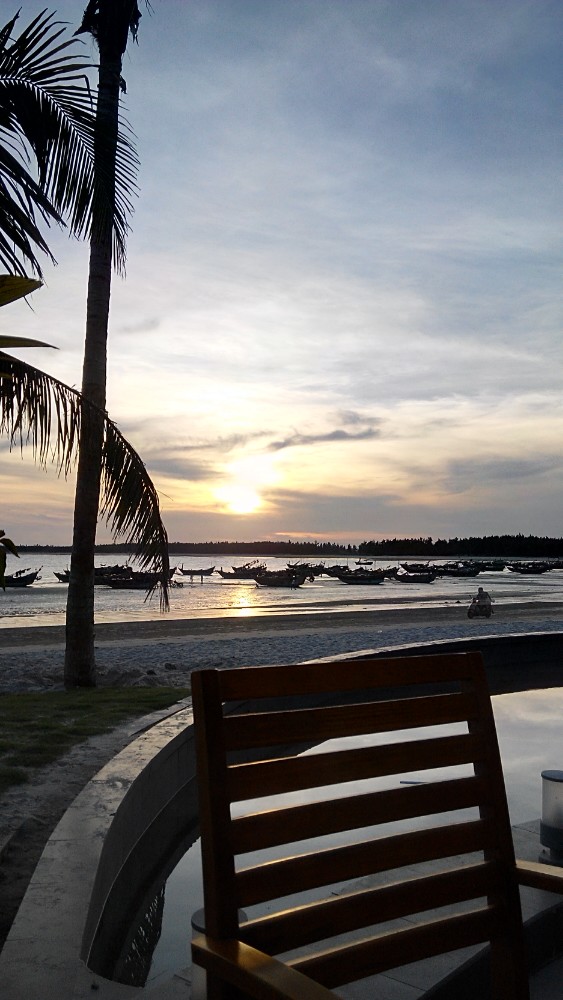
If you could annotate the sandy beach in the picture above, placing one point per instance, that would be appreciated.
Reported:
(166, 650)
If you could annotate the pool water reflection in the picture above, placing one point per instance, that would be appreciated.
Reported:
(530, 733)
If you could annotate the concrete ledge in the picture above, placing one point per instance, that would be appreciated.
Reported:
(512, 662)
(85, 855)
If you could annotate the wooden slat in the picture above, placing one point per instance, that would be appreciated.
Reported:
(317, 819)
(327, 918)
(285, 774)
(540, 876)
(274, 879)
(263, 729)
(347, 675)
(344, 964)
(255, 974)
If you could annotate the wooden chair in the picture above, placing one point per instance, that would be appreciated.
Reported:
(348, 900)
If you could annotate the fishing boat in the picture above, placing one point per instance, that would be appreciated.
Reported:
(310, 569)
(531, 568)
(491, 565)
(100, 573)
(135, 581)
(22, 578)
(403, 577)
(362, 576)
(280, 578)
(195, 572)
(416, 567)
(336, 570)
(247, 571)
(461, 569)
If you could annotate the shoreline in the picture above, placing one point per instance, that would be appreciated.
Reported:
(144, 631)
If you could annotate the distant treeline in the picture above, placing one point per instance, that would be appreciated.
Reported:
(523, 546)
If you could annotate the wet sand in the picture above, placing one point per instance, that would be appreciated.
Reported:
(177, 629)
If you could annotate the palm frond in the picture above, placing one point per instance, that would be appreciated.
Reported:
(14, 287)
(38, 410)
(46, 105)
(21, 199)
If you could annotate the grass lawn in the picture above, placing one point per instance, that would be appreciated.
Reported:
(36, 729)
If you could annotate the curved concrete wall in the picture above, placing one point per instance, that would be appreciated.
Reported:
(513, 662)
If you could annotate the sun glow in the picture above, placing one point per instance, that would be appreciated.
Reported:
(247, 477)
(239, 499)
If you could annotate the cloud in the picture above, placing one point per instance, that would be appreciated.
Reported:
(462, 474)
(299, 440)
(347, 236)
(148, 325)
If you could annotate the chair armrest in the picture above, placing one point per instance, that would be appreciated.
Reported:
(256, 974)
(540, 876)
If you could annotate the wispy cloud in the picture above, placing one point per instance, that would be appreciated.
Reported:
(296, 439)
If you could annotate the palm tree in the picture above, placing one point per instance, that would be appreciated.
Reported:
(110, 22)
(38, 410)
(86, 171)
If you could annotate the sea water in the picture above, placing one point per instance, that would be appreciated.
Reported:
(44, 602)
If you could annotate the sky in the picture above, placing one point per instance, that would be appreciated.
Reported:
(341, 318)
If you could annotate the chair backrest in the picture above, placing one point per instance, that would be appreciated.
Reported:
(349, 858)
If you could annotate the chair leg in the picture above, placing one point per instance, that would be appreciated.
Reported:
(505, 983)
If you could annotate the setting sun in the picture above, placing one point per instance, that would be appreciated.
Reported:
(246, 479)
(239, 499)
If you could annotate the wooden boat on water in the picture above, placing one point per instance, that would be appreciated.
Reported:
(362, 577)
(424, 567)
(207, 571)
(247, 571)
(136, 580)
(310, 569)
(458, 569)
(281, 578)
(491, 565)
(529, 567)
(100, 573)
(404, 577)
(336, 570)
(22, 578)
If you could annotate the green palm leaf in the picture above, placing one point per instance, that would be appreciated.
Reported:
(39, 411)
(14, 287)
(46, 106)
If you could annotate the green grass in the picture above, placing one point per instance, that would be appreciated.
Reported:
(37, 729)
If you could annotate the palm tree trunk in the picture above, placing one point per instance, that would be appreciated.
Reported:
(80, 663)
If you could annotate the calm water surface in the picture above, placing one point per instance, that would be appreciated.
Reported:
(43, 603)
